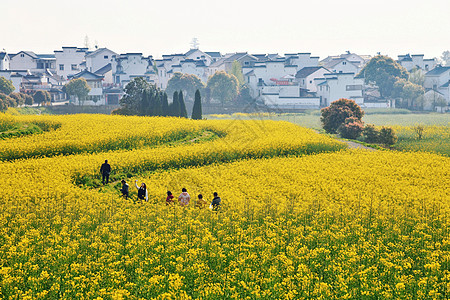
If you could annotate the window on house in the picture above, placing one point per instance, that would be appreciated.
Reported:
(105, 57)
(74, 67)
(354, 87)
(426, 67)
(40, 65)
(310, 81)
(61, 67)
(246, 63)
(344, 63)
(22, 55)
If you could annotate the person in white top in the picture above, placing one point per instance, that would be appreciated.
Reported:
(184, 198)
(142, 192)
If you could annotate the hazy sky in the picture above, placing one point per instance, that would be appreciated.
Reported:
(325, 27)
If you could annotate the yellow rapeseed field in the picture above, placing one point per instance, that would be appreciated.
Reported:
(334, 224)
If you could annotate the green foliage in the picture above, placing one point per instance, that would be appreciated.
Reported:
(165, 105)
(418, 129)
(387, 136)
(445, 58)
(244, 96)
(223, 86)
(335, 115)
(142, 99)
(197, 109)
(183, 112)
(417, 76)
(236, 70)
(370, 134)
(41, 97)
(79, 88)
(19, 98)
(6, 86)
(28, 100)
(384, 72)
(351, 128)
(174, 107)
(410, 93)
(6, 101)
(188, 83)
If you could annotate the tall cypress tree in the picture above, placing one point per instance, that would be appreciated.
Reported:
(197, 109)
(145, 105)
(175, 111)
(165, 105)
(183, 112)
(158, 104)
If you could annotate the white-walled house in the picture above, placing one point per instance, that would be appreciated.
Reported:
(410, 62)
(126, 67)
(35, 63)
(95, 82)
(302, 60)
(438, 80)
(98, 59)
(289, 96)
(4, 61)
(334, 86)
(305, 77)
(69, 60)
(196, 54)
(342, 65)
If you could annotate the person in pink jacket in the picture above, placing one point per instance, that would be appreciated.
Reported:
(184, 198)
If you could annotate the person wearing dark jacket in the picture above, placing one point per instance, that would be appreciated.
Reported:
(105, 170)
(142, 192)
(125, 189)
(215, 203)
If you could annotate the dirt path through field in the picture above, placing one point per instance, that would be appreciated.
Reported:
(353, 145)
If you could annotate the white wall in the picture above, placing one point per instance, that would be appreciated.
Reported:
(341, 85)
(98, 60)
(22, 61)
(67, 57)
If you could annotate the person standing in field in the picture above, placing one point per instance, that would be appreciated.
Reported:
(105, 170)
(169, 199)
(215, 203)
(201, 203)
(184, 197)
(124, 189)
(142, 192)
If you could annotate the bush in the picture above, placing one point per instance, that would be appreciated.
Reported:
(371, 134)
(6, 122)
(351, 129)
(387, 136)
(335, 115)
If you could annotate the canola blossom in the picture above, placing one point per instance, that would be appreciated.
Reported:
(328, 225)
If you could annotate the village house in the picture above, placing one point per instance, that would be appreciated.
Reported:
(4, 61)
(416, 61)
(69, 60)
(98, 59)
(95, 82)
(305, 77)
(438, 80)
(126, 67)
(35, 63)
(334, 86)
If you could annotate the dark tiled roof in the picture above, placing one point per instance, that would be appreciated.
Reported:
(86, 74)
(104, 70)
(214, 54)
(46, 56)
(190, 52)
(2, 55)
(437, 71)
(446, 85)
(305, 72)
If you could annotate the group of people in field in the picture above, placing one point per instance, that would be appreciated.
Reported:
(184, 198)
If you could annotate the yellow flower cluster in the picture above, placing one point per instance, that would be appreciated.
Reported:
(339, 225)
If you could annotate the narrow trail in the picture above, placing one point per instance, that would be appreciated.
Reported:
(353, 145)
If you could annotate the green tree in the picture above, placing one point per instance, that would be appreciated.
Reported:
(6, 86)
(19, 97)
(383, 71)
(409, 92)
(188, 83)
(28, 99)
(335, 115)
(78, 88)
(183, 112)
(5, 102)
(417, 76)
(41, 97)
(165, 105)
(223, 86)
(175, 105)
(197, 109)
(445, 58)
(236, 70)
